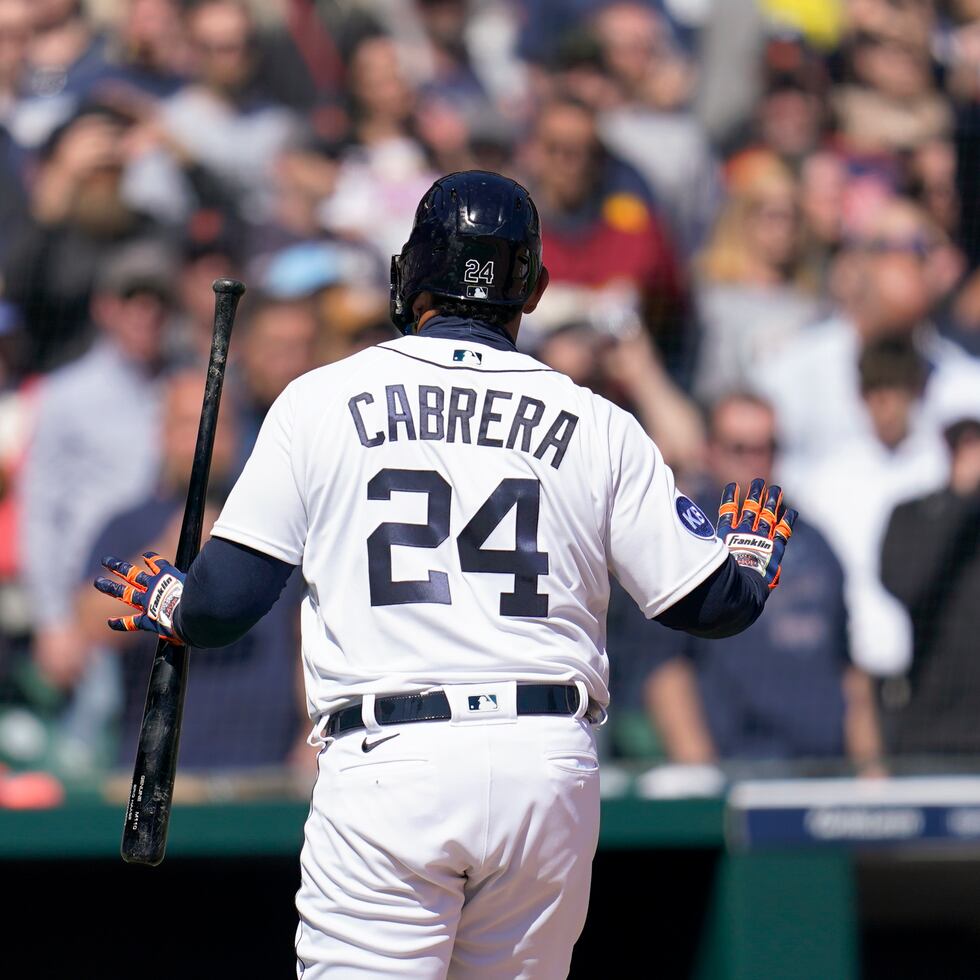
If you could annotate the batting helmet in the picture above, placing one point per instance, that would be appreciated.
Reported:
(476, 238)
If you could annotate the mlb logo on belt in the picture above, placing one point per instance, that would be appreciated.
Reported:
(483, 702)
(468, 356)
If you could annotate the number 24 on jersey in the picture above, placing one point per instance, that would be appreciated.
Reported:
(525, 562)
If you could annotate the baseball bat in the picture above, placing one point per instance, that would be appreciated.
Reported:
(144, 839)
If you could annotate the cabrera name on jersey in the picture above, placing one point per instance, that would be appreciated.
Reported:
(456, 510)
(431, 412)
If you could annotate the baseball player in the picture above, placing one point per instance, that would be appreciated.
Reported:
(456, 508)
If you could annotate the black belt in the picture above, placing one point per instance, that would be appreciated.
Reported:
(399, 709)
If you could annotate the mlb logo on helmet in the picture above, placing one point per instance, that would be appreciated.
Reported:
(483, 702)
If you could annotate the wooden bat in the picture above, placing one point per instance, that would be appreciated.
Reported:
(144, 839)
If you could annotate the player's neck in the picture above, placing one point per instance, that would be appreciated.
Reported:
(511, 328)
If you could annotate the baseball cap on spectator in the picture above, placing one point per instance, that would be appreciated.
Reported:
(307, 268)
(142, 266)
(302, 270)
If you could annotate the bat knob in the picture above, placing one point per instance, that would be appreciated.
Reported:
(233, 286)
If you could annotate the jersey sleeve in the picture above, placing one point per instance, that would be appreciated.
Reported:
(659, 544)
(265, 509)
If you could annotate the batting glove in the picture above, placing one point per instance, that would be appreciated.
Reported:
(756, 535)
(156, 595)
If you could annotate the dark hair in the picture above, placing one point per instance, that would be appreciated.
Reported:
(495, 314)
(956, 432)
(892, 362)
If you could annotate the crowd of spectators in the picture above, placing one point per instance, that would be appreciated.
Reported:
(762, 224)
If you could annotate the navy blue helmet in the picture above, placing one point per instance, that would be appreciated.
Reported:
(476, 238)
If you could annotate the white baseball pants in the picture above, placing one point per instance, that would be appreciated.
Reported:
(458, 849)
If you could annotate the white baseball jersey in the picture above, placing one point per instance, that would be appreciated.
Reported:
(456, 509)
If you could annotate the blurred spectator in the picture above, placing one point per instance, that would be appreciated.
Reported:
(785, 688)
(223, 123)
(277, 344)
(148, 51)
(890, 282)
(243, 706)
(597, 230)
(209, 251)
(613, 355)
(304, 174)
(889, 102)
(340, 279)
(90, 454)
(932, 183)
(649, 125)
(931, 563)
(754, 283)
(78, 216)
(67, 62)
(297, 62)
(384, 172)
(445, 58)
(642, 55)
(902, 458)
(547, 24)
(459, 53)
(793, 114)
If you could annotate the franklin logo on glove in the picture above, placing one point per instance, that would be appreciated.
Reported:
(157, 596)
(756, 534)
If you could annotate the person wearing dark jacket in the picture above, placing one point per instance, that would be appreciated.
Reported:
(931, 563)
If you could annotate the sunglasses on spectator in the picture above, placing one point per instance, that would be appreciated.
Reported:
(221, 47)
(567, 148)
(735, 448)
(918, 245)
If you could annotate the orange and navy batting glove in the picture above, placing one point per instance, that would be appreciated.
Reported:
(756, 534)
(155, 595)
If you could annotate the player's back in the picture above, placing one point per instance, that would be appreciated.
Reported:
(457, 502)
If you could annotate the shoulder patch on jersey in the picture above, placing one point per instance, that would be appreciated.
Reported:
(693, 518)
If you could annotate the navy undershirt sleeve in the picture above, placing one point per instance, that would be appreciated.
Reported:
(726, 602)
(229, 588)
